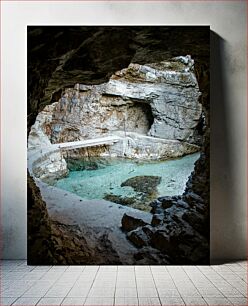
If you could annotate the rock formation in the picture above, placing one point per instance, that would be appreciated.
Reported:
(53, 242)
(159, 100)
(60, 57)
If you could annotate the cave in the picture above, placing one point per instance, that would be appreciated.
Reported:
(146, 111)
(115, 86)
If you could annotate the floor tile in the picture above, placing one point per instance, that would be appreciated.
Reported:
(73, 301)
(50, 301)
(211, 292)
(126, 292)
(175, 285)
(125, 283)
(125, 269)
(189, 292)
(106, 275)
(164, 292)
(148, 283)
(41, 268)
(166, 301)
(51, 276)
(79, 291)
(147, 292)
(142, 269)
(84, 280)
(126, 272)
(13, 292)
(194, 301)
(104, 283)
(38, 290)
(58, 291)
(27, 301)
(239, 301)
(58, 268)
(217, 301)
(99, 301)
(15, 275)
(91, 269)
(75, 268)
(102, 292)
(149, 301)
(230, 292)
(122, 301)
(108, 268)
(7, 301)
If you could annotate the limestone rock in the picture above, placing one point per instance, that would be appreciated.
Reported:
(49, 167)
(138, 146)
(40, 132)
(45, 164)
(160, 100)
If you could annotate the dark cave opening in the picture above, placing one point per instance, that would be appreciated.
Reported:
(146, 112)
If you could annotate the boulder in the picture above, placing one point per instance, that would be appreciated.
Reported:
(161, 241)
(130, 223)
(138, 237)
(157, 219)
(166, 202)
(147, 255)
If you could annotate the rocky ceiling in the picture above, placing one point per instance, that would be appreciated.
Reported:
(62, 56)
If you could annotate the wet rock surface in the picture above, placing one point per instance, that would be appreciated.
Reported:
(129, 201)
(179, 232)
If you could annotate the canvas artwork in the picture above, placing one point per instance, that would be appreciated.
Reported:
(118, 145)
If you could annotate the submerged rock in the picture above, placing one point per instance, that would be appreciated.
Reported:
(144, 183)
(79, 164)
(134, 202)
(120, 199)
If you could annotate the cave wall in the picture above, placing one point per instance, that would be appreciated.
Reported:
(224, 215)
(157, 99)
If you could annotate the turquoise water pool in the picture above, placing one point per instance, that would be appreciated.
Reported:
(104, 179)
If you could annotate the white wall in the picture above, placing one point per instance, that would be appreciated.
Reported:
(228, 104)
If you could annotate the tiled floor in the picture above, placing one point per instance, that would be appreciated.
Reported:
(123, 285)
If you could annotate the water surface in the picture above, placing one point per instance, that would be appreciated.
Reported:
(102, 179)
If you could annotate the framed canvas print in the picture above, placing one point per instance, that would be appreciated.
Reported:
(118, 145)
